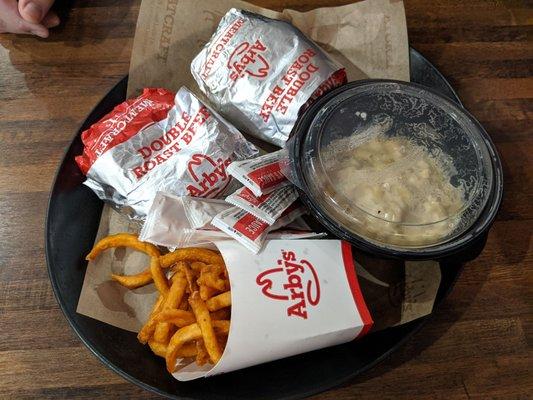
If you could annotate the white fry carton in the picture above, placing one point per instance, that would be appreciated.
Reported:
(295, 296)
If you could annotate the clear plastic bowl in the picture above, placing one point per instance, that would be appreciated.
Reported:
(394, 165)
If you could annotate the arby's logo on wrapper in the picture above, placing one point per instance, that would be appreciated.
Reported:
(209, 176)
(248, 58)
(294, 282)
(261, 71)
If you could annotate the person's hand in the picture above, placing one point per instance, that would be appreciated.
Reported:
(27, 16)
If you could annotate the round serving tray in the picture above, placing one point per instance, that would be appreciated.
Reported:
(72, 221)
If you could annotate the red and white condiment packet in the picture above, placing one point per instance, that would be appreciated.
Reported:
(267, 207)
(261, 175)
(282, 301)
(249, 230)
(175, 221)
(260, 72)
(139, 149)
(182, 221)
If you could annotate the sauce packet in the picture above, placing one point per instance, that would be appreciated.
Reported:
(249, 230)
(267, 207)
(262, 174)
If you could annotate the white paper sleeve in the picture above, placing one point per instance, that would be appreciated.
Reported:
(282, 303)
(177, 221)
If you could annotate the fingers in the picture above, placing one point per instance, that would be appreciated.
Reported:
(11, 21)
(34, 29)
(34, 10)
(50, 20)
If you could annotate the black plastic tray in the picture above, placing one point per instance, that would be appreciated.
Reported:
(72, 221)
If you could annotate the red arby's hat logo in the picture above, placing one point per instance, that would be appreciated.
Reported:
(247, 59)
(294, 282)
(209, 176)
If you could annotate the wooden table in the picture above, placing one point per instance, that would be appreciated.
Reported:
(478, 344)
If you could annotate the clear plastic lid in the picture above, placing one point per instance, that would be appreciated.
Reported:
(396, 165)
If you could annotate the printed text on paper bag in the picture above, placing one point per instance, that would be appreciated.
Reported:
(292, 281)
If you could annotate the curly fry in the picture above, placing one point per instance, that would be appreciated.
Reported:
(188, 254)
(122, 240)
(179, 318)
(177, 290)
(190, 276)
(148, 329)
(187, 334)
(206, 326)
(202, 356)
(158, 276)
(220, 301)
(223, 313)
(207, 292)
(159, 349)
(133, 281)
(191, 254)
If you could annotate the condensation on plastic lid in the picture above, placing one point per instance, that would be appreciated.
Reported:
(396, 164)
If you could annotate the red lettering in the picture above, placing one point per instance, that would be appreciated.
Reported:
(283, 105)
(295, 281)
(149, 165)
(187, 137)
(293, 268)
(193, 191)
(157, 144)
(289, 255)
(211, 178)
(302, 290)
(297, 294)
(159, 159)
(304, 76)
(311, 68)
(303, 58)
(297, 310)
(139, 173)
(145, 152)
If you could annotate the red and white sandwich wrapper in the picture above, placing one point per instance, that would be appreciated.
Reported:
(267, 207)
(249, 230)
(263, 174)
(130, 154)
(125, 121)
(282, 302)
(260, 72)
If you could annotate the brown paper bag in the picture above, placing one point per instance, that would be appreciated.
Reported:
(369, 38)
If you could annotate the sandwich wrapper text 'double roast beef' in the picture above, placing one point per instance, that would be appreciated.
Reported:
(260, 72)
(138, 149)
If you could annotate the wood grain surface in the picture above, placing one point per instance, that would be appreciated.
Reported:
(478, 345)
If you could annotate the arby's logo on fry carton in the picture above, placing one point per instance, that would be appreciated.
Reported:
(209, 176)
(294, 282)
(247, 58)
